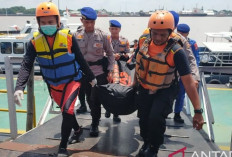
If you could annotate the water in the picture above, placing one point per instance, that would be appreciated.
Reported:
(132, 27)
(41, 95)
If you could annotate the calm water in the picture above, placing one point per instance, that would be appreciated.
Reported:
(132, 27)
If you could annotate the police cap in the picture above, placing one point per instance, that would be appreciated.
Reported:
(176, 17)
(184, 28)
(88, 13)
(115, 23)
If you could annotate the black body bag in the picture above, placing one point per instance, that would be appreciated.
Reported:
(117, 99)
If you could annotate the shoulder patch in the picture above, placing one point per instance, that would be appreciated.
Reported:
(79, 36)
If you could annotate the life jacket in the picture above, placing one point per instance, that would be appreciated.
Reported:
(58, 66)
(158, 71)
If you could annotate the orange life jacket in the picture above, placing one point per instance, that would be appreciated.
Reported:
(158, 71)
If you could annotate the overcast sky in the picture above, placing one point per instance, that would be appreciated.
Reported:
(126, 5)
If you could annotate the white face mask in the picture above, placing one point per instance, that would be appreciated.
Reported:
(49, 29)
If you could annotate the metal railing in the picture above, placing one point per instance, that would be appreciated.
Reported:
(203, 93)
(31, 121)
(231, 142)
(10, 94)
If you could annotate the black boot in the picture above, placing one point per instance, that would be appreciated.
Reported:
(142, 149)
(62, 152)
(151, 151)
(94, 131)
(178, 119)
(107, 114)
(75, 137)
(82, 109)
(117, 119)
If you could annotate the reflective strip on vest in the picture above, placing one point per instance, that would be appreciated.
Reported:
(57, 65)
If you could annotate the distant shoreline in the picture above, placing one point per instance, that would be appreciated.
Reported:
(185, 15)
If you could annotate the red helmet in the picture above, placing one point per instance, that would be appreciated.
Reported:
(161, 20)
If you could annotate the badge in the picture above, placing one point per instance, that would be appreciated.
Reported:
(98, 45)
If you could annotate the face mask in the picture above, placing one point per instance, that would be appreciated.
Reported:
(48, 29)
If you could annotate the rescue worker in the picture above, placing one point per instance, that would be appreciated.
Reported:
(157, 63)
(61, 63)
(121, 50)
(184, 29)
(190, 56)
(94, 45)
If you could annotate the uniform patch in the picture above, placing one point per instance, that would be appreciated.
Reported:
(98, 45)
(80, 37)
(196, 47)
(123, 42)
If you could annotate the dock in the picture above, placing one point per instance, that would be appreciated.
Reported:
(115, 139)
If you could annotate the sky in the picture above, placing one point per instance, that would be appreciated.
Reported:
(126, 5)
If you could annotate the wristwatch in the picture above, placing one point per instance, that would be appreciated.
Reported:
(199, 111)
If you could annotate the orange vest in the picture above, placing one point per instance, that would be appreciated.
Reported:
(158, 71)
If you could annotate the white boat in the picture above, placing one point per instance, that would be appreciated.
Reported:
(15, 44)
(217, 52)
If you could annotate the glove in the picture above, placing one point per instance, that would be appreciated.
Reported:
(93, 82)
(18, 96)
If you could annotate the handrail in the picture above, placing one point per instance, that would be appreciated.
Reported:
(205, 97)
(207, 106)
(10, 94)
(231, 142)
(203, 93)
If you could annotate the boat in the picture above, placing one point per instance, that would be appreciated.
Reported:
(217, 52)
(102, 13)
(194, 12)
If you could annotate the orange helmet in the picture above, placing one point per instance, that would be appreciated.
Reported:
(47, 9)
(161, 20)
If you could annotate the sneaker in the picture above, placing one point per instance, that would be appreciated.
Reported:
(150, 152)
(62, 152)
(94, 131)
(82, 109)
(75, 137)
(117, 119)
(142, 149)
(178, 119)
(107, 114)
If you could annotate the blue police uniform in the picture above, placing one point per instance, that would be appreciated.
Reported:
(184, 28)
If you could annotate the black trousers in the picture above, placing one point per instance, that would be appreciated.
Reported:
(69, 122)
(82, 92)
(93, 99)
(152, 112)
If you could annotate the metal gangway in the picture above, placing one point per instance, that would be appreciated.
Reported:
(204, 96)
(31, 122)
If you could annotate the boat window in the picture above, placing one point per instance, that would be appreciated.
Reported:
(6, 48)
(18, 47)
(28, 30)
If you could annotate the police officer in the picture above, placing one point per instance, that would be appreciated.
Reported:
(121, 50)
(157, 61)
(192, 60)
(61, 63)
(94, 45)
(184, 29)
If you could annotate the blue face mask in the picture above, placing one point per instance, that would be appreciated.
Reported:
(48, 29)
